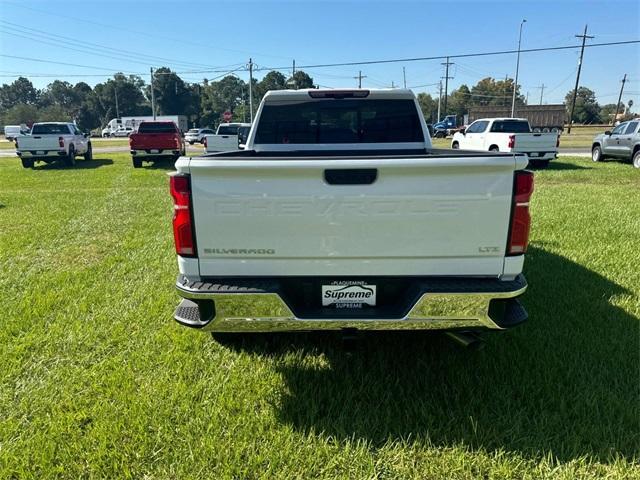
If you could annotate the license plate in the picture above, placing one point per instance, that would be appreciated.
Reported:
(348, 295)
(155, 150)
(534, 154)
(40, 152)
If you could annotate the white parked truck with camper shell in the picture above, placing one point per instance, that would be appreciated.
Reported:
(508, 135)
(53, 141)
(339, 214)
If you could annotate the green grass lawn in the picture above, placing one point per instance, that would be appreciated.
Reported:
(98, 381)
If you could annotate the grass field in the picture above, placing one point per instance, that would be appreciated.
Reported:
(98, 381)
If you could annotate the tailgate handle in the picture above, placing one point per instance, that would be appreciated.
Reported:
(351, 176)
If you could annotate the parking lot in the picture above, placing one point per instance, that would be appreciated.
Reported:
(98, 381)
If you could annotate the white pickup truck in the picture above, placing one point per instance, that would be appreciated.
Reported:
(53, 141)
(340, 215)
(508, 135)
(225, 139)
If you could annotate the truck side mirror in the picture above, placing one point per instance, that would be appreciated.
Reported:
(607, 132)
(463, 131)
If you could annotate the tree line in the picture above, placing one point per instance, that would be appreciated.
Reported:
(128, 95)
(204, 103)
(498, 93)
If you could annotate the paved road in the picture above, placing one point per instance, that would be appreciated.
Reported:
(114, 149)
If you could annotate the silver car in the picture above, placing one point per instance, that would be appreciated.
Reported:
(196, 135)
(622, 142)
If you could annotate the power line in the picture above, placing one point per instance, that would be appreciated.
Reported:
(615, 117)
(446, 82)
(85, 20)
(465, 55)
(74, 42)
(40, 60)
(584, 37)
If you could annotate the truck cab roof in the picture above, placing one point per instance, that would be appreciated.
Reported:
(501, 119)
(313, 93)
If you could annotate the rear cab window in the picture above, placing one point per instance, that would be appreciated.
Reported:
(157, 127)
(228, 130)
(50, 129)
(511, 126)
(339, 121)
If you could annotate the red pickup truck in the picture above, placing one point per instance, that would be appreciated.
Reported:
(155, 141)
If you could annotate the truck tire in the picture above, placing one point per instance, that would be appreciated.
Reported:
(636, 159)
(27, 162)
(88, 156)
(494, 148)
(137, 163)
(596, 153)
(455, 145)
(70, 159)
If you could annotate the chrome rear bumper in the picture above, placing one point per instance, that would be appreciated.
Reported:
(260, 306)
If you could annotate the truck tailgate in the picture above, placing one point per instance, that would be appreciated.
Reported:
(535, 142)
(39, 142)
(164, 141)
(291, 216)
(221, 143)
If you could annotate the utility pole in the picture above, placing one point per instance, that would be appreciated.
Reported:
(541, 87)
(359, 78)
(446, 82)
(439, 98)
(251, 90)
(392, 84)
(153, 97)
(515, 83)
(615, 117)
(404, 77)
(118, 110)
(584, 37)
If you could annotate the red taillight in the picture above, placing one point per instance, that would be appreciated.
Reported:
(182, 219)
(130, 141)
(61, 142)
(520, 218)
(512, 141)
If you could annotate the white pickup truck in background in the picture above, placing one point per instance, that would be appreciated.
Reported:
(51, 141)
(340, 215)
(508, 135)
(225, 139)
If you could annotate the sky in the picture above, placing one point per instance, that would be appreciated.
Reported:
(205, 39)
